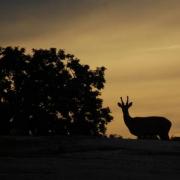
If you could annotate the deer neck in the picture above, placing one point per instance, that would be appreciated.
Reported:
(127, 117)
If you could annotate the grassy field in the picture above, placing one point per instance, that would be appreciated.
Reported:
(88, 158)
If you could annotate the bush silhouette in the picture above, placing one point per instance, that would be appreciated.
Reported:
(49, 91)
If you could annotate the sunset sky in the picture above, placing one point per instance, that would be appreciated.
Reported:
(138, 41)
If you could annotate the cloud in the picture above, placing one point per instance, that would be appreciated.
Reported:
(26, 20)
(165, 48)
(23, 20)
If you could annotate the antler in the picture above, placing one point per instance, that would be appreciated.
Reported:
(127, 102)
(125, 105)
(122, 102)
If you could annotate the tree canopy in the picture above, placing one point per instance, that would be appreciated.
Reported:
(50, 92)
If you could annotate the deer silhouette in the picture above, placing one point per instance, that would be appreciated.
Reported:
(145, 127)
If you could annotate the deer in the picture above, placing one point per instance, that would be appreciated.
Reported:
(153, 127)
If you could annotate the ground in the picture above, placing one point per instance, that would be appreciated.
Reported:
(88, 158)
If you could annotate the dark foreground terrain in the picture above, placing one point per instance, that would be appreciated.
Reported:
(84, 158)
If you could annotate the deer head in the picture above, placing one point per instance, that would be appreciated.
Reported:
(125, 106)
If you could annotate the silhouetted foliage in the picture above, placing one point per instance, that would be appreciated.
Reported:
(49, 91)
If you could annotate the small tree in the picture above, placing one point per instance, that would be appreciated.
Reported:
(50, 91)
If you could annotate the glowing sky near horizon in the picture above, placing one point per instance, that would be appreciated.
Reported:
(138, 41)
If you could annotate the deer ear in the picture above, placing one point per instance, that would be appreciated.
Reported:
(119, 104)
(130, 104)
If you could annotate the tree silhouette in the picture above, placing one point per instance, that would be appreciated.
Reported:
(50, 91)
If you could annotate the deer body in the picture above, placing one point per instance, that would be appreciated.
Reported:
(145, 127)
